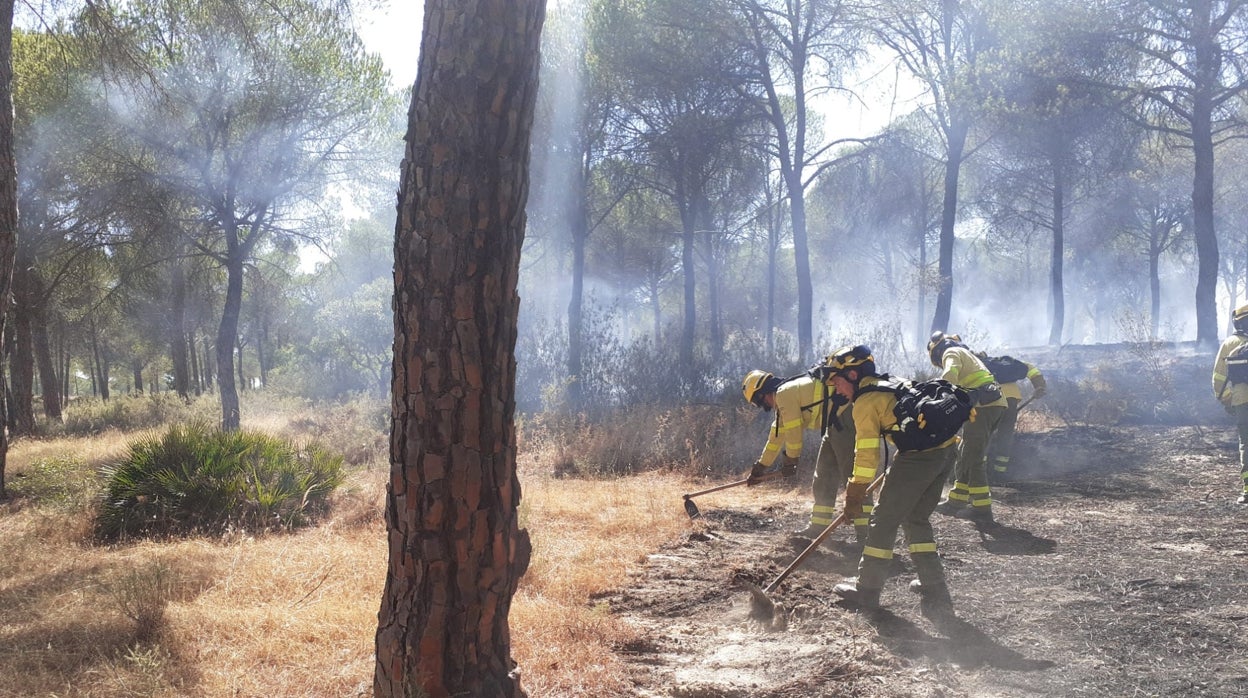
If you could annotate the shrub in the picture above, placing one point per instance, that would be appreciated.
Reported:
(85, 416)
(196, 478)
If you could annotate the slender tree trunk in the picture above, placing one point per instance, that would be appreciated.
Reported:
(206, 363)
(921, 335)
(712, 297)
(192, 355)
(801, 256)
(575, 320)
(22, 357)
(49, 379)
(688, 239)
(1056, 295)
(227, 334)
(773, 247)
(948, 219)
(1154, 285)
(177, 332)
(136, 367)
(456, 549)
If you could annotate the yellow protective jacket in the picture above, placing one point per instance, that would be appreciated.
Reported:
(1011, 390)
(873, 418)
(799, 406)
(1228, 393)
(961, 367)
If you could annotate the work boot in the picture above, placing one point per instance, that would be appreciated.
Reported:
(950, 507)
(811, 531)
(976, 514)
(867, 599)
(935, 603)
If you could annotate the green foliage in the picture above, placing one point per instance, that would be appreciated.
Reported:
(195, 478)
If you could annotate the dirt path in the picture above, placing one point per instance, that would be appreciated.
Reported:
(1120, 569)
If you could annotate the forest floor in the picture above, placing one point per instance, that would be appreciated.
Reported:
(1118, 567)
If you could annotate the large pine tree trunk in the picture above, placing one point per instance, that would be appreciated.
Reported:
(22, 357)
(8, 184)
(456, 549)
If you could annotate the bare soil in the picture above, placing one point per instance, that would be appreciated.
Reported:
(1119, 567)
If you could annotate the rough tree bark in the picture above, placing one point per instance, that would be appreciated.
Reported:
(456, 551)
(8, 185)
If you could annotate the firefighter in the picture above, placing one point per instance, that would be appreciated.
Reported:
(1002, 442)
(909, 494)
(1231, 389)
(970, 497)
(801, 403)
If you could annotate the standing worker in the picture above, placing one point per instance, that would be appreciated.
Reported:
(909, 495)
(802, 403)
(1230, 386)
(1009, 372)
(971, 497)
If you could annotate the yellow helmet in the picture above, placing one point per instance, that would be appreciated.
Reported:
(846, 358)
(938, 343)
(757, 385)
(1239, 317)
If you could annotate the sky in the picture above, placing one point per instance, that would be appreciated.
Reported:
(392, 29)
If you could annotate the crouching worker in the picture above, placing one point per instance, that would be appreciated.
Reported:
(806, 402)
(910, 491)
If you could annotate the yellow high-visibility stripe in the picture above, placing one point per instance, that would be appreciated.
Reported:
(1219, 376)
(863, 521)
(1033, 373)
(979, 490)
(923, 547)
(976, 379)
(824, 509)
(1002, 459)
(981, 502)
(791, 424)
(868, 473)
(861, 444)
(881, 553)
(867, 508)
(821, 521)
(957, 496)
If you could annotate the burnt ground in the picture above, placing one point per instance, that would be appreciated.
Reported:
(1120, 568)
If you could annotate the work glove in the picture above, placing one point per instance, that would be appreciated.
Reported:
(758, 473)
(855, 495)
(790, 466)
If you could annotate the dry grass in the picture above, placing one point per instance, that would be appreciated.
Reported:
(294, 615)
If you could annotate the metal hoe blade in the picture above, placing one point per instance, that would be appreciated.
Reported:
(691, 509)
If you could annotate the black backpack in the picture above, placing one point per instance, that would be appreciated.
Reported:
(928, 413)
(1237, 364)
(1006, 369)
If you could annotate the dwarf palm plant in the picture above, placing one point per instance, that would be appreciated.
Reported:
(196, 478)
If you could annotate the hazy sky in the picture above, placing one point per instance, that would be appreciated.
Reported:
(392, 30)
